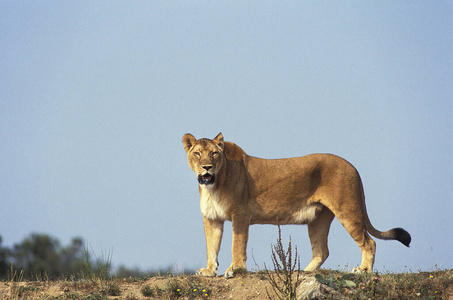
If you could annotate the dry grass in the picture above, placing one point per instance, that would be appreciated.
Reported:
(420, 285)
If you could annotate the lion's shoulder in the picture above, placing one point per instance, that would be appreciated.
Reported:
(234, 152)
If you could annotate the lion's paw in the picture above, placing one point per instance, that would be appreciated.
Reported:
(206, 272)
(229, 273)
(358, 270)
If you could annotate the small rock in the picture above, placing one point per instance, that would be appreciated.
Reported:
(309, 288)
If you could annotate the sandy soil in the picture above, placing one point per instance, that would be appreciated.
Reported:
(249, 286)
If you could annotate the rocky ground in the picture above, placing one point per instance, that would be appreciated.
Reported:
(426, 285)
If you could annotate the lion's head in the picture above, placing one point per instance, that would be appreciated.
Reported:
(205, 157)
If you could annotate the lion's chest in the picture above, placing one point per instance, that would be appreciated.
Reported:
(210, 205)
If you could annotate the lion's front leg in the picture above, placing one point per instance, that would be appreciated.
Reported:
(213, 230)
(239, 249)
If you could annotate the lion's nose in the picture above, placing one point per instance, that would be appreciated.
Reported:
(207, 167)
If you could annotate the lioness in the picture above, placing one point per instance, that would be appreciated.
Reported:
(247, 190)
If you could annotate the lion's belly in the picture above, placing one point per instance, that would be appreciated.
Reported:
(306, 214)
(283, 216)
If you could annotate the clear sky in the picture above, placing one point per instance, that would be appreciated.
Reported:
(95, 97)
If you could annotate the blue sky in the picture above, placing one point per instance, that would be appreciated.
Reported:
(96, 96)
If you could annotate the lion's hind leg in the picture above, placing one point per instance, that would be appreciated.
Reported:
(367, 245)
(350, 214)
(318, 231)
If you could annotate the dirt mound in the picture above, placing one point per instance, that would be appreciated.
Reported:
(423, 285)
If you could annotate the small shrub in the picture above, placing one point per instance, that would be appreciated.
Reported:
(282, 280)
(72, 296)
(196, 288)
(147, 291)
(99, 272)
(131, 297)
(113, 289)
(95, 296)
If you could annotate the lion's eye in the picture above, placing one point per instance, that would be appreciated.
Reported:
(197, 154)
(215, 153)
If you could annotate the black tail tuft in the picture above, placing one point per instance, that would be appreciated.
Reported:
(402, 235)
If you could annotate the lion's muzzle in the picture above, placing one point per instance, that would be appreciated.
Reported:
(206, 179)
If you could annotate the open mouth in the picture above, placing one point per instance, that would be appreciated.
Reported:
(206, 179)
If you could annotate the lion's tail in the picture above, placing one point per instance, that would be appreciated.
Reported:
(393, 234)
(398, 234)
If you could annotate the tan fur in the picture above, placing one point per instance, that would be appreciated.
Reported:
(247, 190)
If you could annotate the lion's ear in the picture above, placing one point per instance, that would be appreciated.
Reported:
(188, 140)
(219, 140)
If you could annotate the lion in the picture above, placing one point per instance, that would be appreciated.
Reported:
(310, 190)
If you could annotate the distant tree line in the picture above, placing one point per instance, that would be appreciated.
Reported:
(42, 256)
